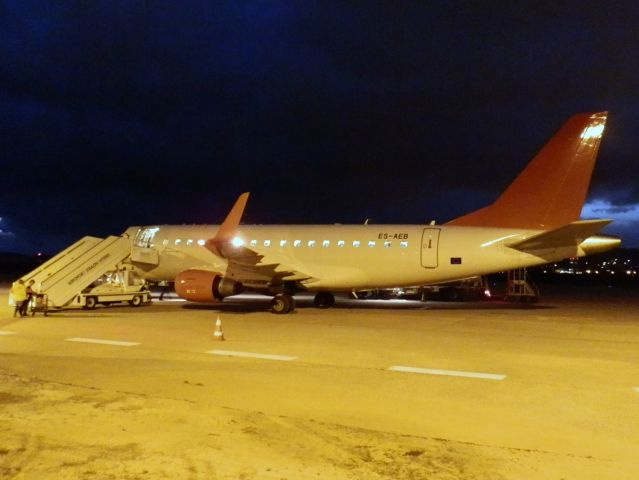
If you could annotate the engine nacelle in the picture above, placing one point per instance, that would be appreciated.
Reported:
(204, 286)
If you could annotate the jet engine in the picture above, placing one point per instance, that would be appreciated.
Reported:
(204, 286)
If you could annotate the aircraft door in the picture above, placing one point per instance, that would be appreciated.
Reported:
(430, 246)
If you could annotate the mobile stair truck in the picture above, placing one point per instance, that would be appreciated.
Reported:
(87, 273)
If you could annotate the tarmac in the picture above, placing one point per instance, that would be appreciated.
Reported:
(368, 390)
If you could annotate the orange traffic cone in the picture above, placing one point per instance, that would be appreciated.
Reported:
(219, 334)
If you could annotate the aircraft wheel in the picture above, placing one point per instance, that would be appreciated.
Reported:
(282, 303)
(136, 301)
(324, 300)
(91, 303)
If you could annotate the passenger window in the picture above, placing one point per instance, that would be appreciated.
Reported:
(165, 242)
(403, 244)
(326, 243)
(178, 241)
(340, 243)
(282, 243)
(297, 243)
(267, 243)
(371, 243)
(387, 244)
(201, 242)
(189, 242)
(356, 243)
(311, 243)
(253, 243)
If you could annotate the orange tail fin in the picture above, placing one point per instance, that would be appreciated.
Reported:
(552, 189)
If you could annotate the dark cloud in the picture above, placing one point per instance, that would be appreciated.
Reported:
(118, 113)
(615, 210)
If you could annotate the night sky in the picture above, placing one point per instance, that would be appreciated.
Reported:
(122, 113)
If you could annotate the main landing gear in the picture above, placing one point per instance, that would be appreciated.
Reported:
(282, 303)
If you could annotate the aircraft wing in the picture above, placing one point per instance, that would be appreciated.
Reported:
(245, 264)
(569, 235)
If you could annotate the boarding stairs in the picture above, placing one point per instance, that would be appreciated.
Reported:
(75, 268)
(520, 287)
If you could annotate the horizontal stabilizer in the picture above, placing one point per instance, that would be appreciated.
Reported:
(569, 235)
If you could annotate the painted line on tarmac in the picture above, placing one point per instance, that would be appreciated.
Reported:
(4, 332)
(262, 356)
(449, 373)
(118, 343)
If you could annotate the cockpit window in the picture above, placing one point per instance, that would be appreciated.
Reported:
(144, 237)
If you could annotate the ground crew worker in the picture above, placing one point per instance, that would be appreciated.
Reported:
(30, 294)
(19, 295)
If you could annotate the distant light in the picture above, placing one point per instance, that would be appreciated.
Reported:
(237, 242)
(487, 293)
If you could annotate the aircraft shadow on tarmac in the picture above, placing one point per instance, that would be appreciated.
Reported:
(247, 305)
(250, 304)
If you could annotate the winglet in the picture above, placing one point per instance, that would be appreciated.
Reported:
(227, 229)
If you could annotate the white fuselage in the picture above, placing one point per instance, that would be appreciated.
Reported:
(345, 257)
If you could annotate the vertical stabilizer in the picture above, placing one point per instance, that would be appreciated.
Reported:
(552, 189)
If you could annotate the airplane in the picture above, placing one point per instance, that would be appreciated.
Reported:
(533, 222)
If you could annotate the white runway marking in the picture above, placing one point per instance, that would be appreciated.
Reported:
(4, 332)
(263, 356)
(118, 343)
(450, 373)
